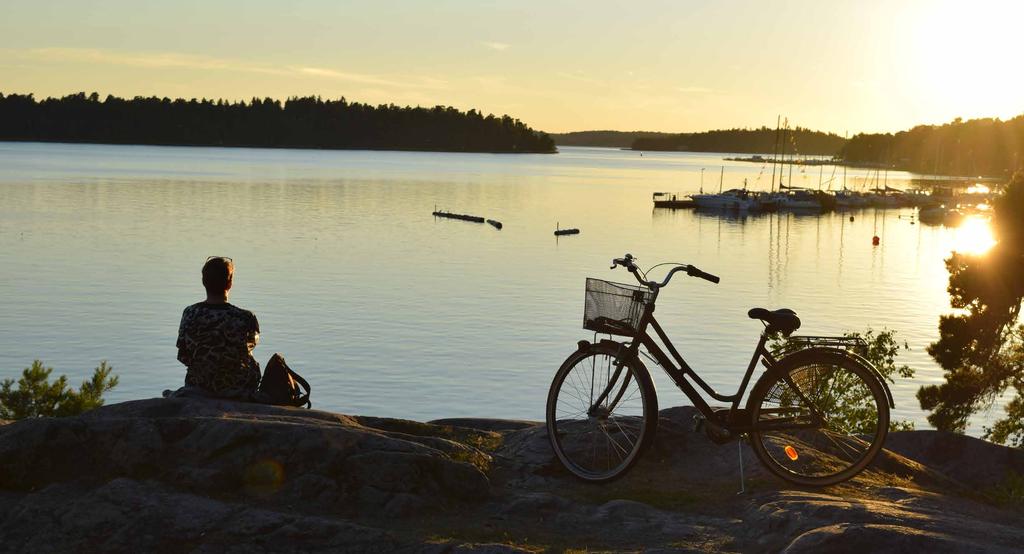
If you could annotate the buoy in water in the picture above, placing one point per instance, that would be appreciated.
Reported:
(875, 240)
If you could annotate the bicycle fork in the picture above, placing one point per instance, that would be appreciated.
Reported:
(595, 408)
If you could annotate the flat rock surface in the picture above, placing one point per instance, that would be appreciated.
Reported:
(194, 475)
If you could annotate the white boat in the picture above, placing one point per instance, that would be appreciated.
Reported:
(733, 199)
(799, 200)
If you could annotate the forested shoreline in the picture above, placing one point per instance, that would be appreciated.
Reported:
(307, 122)
(746, 141)
(603, 139)
(986, 147)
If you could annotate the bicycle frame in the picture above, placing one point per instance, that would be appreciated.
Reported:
(682, 375)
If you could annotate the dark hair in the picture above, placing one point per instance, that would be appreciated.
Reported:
(217, 273)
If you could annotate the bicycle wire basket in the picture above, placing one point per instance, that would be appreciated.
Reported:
(614, 308)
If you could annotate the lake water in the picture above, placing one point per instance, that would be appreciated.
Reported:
(389, 311)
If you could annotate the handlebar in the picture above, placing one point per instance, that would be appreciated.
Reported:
(629, 262)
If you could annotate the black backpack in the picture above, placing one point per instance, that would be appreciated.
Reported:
(282, 386)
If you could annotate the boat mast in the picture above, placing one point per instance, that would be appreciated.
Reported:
(721, 177)
(775, 152)
(844, 160)
(791, 160)
(782, 162)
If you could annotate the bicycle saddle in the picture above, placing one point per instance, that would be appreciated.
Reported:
(782, 321)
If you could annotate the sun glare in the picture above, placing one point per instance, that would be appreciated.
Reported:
(973, 236)
(962, 50)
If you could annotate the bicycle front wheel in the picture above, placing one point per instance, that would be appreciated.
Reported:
(602, 413)
(819, 419)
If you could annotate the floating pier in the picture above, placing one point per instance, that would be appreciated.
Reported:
(461, 217)
(494, 223)
(673, 201)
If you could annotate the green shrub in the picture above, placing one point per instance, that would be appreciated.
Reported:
(880, 349)
(35, 396)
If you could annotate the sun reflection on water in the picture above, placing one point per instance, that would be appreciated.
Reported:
(973, 236)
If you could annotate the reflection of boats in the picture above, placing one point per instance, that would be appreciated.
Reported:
(940, 215)
(733, 199)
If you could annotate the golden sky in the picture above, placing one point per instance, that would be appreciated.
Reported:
(559, 66)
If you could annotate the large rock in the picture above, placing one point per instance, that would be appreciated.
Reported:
(219, 447)
(191, 475)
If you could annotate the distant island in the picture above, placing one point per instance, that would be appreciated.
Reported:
(987, 147)
(307, 122)
(606, 139)
(745, 141)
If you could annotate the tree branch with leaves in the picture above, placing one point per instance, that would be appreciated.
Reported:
(981, 348)
(36, 396)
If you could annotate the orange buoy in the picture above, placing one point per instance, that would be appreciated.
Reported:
(791, 453)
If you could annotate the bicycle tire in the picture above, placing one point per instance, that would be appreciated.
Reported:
(855, 408)
(568, 428)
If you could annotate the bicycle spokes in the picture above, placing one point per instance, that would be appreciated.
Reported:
(599, 415)
(818, 420)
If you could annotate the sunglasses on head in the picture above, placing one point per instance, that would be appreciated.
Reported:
(220, 258)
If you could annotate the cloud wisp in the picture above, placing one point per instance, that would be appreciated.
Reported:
(207, 63)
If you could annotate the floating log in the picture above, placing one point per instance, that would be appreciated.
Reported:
(462, 217)
(495, 224)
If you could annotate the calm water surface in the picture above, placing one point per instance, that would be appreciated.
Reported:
(389, 311)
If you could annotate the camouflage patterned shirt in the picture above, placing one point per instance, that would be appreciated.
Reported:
(215, 342)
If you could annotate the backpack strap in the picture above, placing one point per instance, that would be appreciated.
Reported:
(303, 399)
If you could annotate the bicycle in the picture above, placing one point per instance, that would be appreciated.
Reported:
(817, 416)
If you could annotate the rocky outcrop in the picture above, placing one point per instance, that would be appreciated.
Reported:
(192, 475)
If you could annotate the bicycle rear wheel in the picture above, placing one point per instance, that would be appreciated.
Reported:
(601, 413)
(819, 419)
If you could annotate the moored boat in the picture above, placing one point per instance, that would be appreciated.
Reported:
(733, 199)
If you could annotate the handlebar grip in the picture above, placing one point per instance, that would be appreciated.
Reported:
(694, 272)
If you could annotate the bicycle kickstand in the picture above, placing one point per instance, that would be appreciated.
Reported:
(739, 445)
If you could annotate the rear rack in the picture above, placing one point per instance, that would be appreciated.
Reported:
(852, 344)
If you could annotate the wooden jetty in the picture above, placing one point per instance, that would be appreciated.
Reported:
(495, 224)
(461, 217)
(672, 201)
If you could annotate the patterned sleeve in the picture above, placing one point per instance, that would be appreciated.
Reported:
(254, 331)
(183, 331)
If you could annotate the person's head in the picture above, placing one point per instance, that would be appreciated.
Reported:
(217, 274)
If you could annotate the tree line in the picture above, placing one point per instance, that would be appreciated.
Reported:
(988, 147)
(306, 122)
(606, 139)
(746, 141)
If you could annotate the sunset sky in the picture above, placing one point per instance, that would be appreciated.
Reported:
(559, 66)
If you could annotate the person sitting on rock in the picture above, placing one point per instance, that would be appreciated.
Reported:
(216, 339)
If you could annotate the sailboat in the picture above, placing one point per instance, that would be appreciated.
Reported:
(732, 199)
(800, 199)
